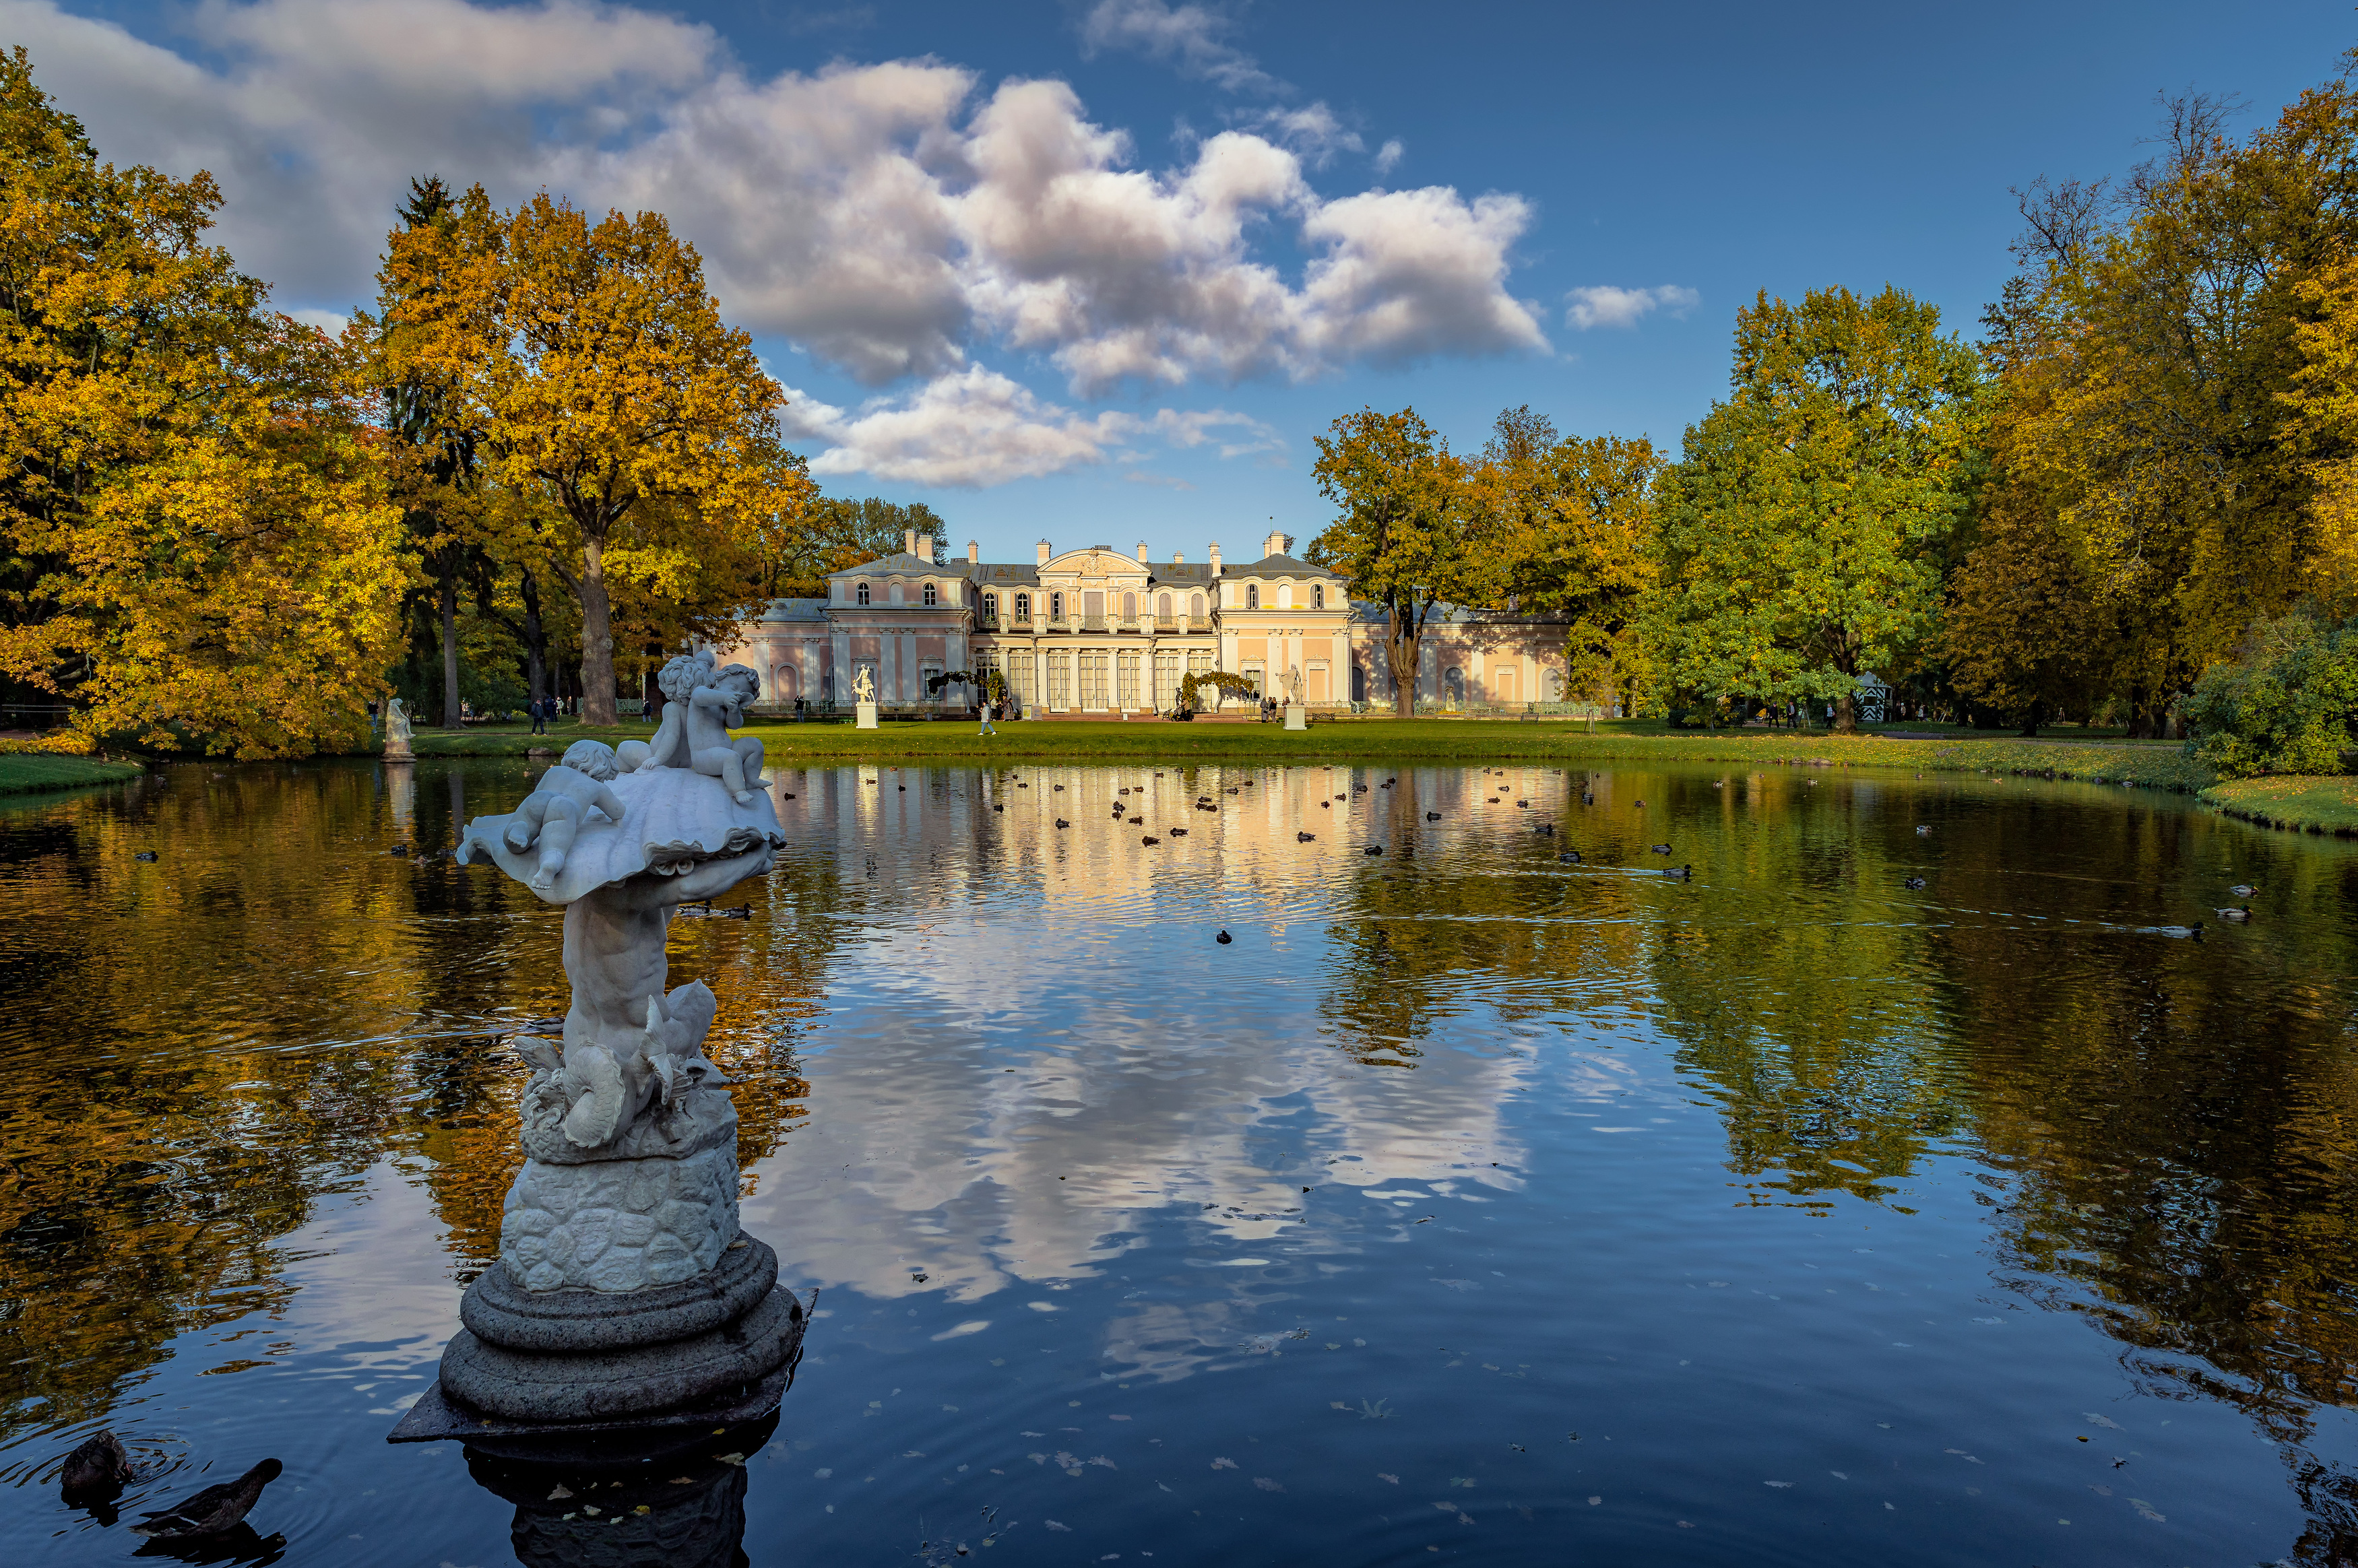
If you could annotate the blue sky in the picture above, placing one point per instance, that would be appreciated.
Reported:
(1100, 271)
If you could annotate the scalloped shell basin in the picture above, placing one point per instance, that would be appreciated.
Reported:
(673, 819)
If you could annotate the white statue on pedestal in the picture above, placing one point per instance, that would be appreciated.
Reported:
(863, 685)
(396, 732)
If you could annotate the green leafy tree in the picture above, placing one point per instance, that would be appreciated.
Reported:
(1408, 530)
(1802, 532)
(2287, 704)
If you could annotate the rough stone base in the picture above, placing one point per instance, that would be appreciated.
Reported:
(527, 1386)
(620, 1226)
(436, 1417)
(499, 1312)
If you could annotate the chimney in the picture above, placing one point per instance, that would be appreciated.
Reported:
(1273, 546)
(1142, 552)
(1215, 559)
(925, 549)
(971, 557)
(908, 541)
(1178, 558)
(1043, 552)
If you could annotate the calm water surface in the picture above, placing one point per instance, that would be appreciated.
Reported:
(1468, 1204)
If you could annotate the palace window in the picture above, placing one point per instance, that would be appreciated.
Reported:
(1196, 607)
(1129, 606)
(1252, 596)
(1163, 608)
(861, 593)
(990, 608)
(1285, 596)
(1125, 683)
(1055, 607)
(1023, 607)
(1317, 596)
(932, 598)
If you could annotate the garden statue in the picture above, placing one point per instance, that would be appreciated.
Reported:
(863, 685)
(626, 1295)
(396, 733)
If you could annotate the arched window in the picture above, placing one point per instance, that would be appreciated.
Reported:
(1196, 606)
(1055, 607)
(894, 593)
(1163, 608)
(1023, 607)
(932, 597)
(1252, 596)
(1285, 596)
(990, 607)
(1129, 606)
(861, 593)
(1317, 596)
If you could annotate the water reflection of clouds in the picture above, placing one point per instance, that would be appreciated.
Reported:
(1045, 1073)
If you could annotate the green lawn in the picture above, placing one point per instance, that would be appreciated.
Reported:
(2303, 805)
(2155, 763)
(23, 771)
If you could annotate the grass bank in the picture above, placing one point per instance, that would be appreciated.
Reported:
(22, 773)
(2149, 764)
(2298, 804)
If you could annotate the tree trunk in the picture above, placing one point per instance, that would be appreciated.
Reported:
(596, 637)
(535, 638)
(1402, 644)
(449, 649)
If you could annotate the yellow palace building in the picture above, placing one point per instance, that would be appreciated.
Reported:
(1101, 632)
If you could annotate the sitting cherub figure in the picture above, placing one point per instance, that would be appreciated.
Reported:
(552, 813)
(715, 708)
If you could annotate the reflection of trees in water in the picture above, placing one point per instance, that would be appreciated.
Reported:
(1421, 937)
(204, 1044)
(2173, 1121)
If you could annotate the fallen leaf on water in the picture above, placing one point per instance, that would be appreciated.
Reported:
(729, 1458)
(559, 1493)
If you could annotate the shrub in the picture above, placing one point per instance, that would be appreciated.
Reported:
(2285, 705)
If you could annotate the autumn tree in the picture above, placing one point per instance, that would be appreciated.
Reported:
(1802, 530)
(836, 533)
(1405, 533)
(1573, 522)
(605, 383)
(198, 547)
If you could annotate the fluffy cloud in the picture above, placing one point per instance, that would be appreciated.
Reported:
(976, 427)
(1605, 306)
(1192, 37)
(879, 216)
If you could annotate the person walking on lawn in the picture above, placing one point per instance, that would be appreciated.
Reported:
(985, 712)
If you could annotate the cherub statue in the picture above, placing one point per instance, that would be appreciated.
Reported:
(704, 704)
(552, 813)
(863, 685)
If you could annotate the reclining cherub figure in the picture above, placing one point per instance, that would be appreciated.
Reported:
(703, 705)
(552, 813)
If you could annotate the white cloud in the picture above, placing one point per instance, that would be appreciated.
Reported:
(891, 220)
(328, 321)
(975, 428)
(1388, 156)
(1192, 37)
(1603, 305)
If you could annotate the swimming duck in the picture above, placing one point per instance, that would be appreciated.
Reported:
(1542, 826)
(1303, 838)
(2244, 890)
(2241, 912)
(1923, 830)
(212, 1511)
(100, 1465)
(1678, 873)
(1586, 798)
(1570, 856)
(2194, 931)
(1375, 849)
(1176, 832)
(1062, 823)
(1224, 938)
(1433, 817)
(1661, 849)
(999, 808)
(145, 855)
(1913, 882)
(1150, 838)
(1639, 805)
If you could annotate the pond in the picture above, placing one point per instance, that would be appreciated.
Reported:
(1469, 1203)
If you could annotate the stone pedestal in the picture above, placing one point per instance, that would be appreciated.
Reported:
(866, 720)
(1296, 716)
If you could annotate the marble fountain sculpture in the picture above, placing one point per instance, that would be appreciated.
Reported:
(625, 1296)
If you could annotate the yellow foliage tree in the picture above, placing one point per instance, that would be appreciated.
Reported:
(603, 381)
(199, 547)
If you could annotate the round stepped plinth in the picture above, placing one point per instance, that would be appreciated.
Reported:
(561, 1356)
